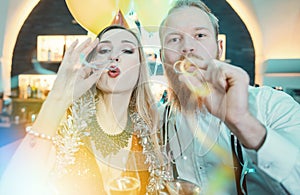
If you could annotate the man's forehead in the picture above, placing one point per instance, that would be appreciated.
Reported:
(187, 18)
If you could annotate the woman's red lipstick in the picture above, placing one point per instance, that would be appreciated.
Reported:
(113, 71)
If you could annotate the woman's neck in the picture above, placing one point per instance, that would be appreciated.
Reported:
(112, 112)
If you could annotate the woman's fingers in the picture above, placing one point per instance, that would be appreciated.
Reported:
(72, 60)
(93, 78)
(70, 70)
(84, 72)
(84, 44)
(91, 46)
(85, 47)
(84, 51)
(84, 81)
(71, 48)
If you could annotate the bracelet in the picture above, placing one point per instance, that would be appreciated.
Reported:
(37, 134)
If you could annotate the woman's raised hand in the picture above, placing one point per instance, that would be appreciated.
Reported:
(73, 79)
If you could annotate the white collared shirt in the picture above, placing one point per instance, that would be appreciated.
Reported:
(275, 166)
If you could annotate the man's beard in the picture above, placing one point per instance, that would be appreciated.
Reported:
(180, 95)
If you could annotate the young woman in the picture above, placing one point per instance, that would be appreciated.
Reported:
(106, 144)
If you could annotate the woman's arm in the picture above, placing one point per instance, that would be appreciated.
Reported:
(31, 164)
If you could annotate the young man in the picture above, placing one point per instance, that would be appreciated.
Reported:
(215, 118)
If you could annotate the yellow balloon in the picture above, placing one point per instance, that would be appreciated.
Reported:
(152, 12)
(94, 15)
(123, 5)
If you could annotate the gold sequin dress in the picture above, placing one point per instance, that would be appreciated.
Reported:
(84, 176)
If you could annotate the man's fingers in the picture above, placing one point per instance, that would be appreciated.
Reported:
(216, 74)
(198, 87)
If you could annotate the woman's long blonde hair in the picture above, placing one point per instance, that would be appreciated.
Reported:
(141, 96)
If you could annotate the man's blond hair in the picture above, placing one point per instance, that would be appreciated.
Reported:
(198, 4)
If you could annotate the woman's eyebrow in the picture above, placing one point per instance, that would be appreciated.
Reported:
(105, 41)
(126, 41)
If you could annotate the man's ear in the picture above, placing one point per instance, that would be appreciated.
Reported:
(220, 48)
(160, 55)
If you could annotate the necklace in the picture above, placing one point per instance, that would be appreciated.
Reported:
(105, 119)
(83, 121)
(107, 143)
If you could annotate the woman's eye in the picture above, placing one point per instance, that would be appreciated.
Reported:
(104, 51)
(128, 51)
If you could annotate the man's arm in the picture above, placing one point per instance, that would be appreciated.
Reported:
(279, 155)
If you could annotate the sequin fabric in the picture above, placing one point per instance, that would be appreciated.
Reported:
(76, 170)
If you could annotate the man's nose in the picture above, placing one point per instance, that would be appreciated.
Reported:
(188, 45)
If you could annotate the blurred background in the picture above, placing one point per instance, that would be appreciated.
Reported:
(262, 37)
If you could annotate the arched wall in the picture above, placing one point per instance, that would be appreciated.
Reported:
(15, 12)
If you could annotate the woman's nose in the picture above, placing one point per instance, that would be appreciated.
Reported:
(115, 58)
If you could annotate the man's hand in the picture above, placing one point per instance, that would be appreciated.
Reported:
(228, 98)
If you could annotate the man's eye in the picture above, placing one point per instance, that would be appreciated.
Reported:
(175, 40)
(200, 35)
(128, 51)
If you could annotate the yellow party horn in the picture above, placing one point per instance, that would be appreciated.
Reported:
(183, 66)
